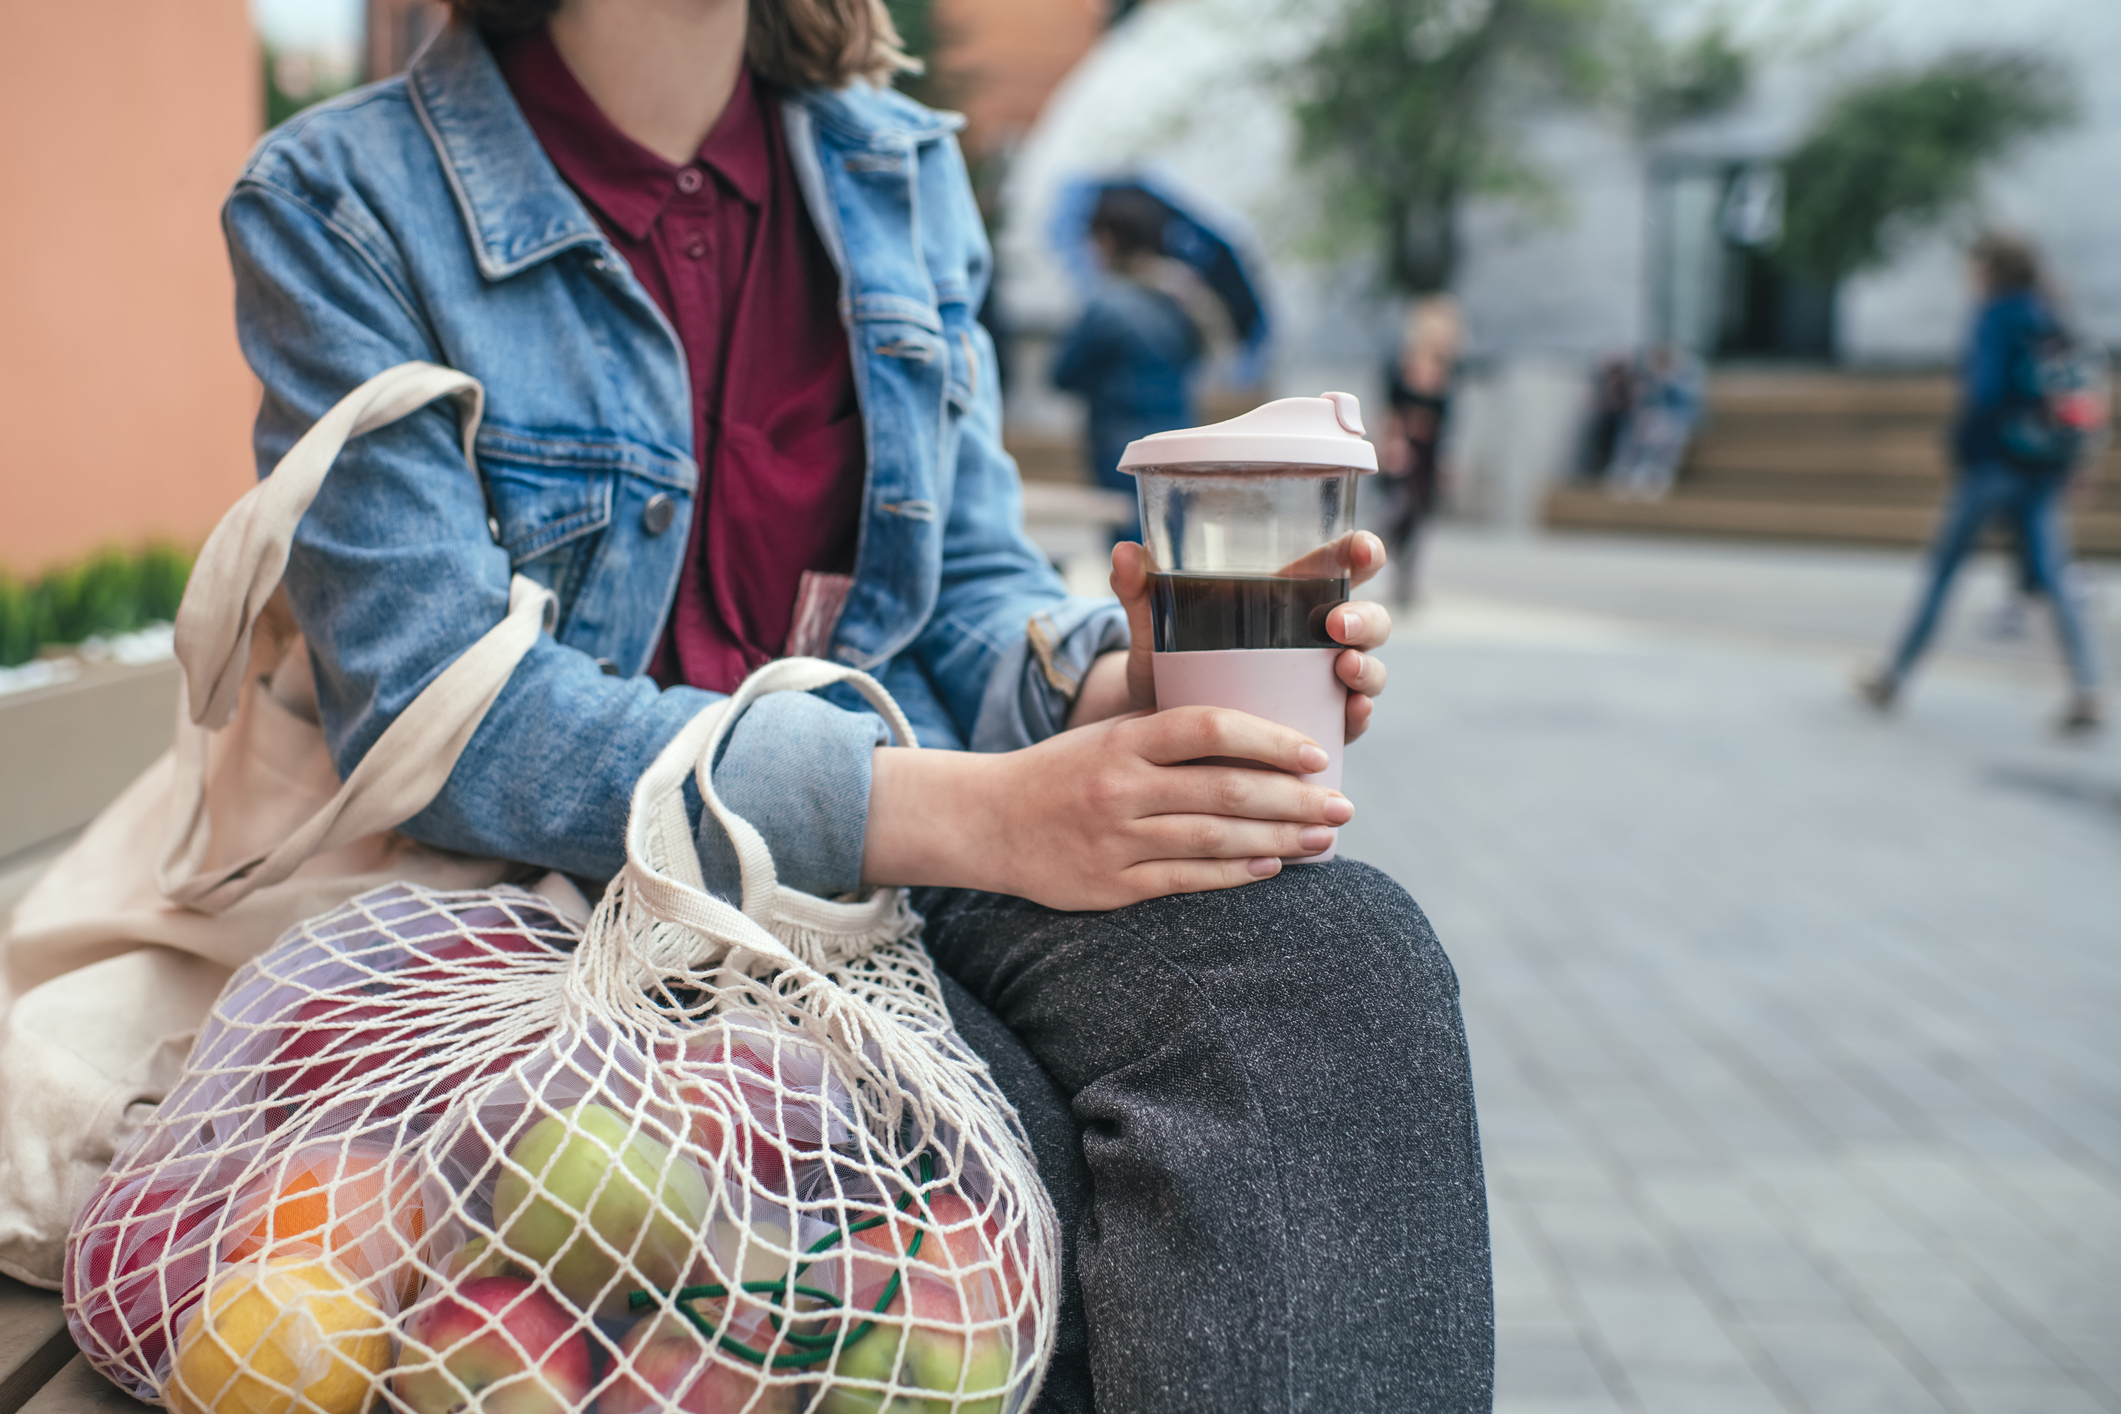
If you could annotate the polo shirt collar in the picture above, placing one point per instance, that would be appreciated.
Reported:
(627, 182)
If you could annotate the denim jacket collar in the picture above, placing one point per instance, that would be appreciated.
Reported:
(517, 209)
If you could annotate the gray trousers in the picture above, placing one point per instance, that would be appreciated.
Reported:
(1255, 1115)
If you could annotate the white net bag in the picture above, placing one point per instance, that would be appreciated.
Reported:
(444, 1151)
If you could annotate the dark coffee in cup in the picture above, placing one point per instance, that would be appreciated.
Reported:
(1207, 613)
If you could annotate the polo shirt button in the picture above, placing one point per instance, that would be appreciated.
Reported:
(690, 180)
(695, 248)
(658, 513)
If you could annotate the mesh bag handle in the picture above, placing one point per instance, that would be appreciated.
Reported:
(780, 926)
(236, 578)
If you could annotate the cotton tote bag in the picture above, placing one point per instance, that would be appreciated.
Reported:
(241, 830)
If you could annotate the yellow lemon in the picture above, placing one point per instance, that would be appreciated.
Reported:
(273, 1333)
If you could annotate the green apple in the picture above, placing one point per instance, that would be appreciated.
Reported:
(477, 1259)
(651, 1207)
(928, 1355)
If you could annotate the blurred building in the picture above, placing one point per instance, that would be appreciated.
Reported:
(1648, 240)
(999, 60)
(126, 402)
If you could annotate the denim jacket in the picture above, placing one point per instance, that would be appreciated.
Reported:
(420, 219)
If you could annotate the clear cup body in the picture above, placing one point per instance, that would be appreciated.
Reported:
(1245, 554)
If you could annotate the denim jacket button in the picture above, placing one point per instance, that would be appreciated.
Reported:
(608, 668)
(658, 513)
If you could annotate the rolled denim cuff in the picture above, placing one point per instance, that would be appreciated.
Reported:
(797, 768)
(1036, 679)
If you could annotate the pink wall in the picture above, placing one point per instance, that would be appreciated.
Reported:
(125, 407)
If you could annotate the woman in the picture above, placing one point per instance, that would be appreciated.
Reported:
(721, 296)
(2007, 470)
(1419, 383)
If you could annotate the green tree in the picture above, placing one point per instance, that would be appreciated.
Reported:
(1409, 107)
(1899, 154)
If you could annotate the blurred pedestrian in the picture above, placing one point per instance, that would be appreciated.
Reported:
(1142, 333)
(1669, 389)
(1612, 397)
(2015, 448)
(1419, 381)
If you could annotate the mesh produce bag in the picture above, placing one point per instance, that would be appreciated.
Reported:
(444, 1151)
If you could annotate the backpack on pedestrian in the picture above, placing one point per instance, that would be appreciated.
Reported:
(2061, 405)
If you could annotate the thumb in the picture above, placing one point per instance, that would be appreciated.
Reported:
(1130, 583)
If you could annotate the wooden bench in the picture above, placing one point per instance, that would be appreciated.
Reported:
(40, 1370)
(65, 750)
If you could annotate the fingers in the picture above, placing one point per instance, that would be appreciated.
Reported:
(1365, 556)
(1237, 793)
(1360, 624)
(1195, 876)
(1358, 720)
(1180, 837)
(1360, 672)
(1190, 733)
(1358, 554)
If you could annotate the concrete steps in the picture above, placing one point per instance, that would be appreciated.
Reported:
(1816, 456)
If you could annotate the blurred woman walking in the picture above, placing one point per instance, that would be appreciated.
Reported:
(2032, 404)
(1420, 384)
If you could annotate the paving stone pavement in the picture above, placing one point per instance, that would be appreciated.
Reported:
(1794, 1029)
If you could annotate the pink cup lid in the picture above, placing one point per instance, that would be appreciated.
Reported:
(1325, 431)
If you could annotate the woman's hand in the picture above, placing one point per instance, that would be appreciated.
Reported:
(1124, 682)
(1105, 816)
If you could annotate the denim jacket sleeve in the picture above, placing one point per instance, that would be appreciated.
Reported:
(1007, 643)
(394, 573)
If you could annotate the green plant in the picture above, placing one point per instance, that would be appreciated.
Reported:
(1409, 107)
(111, 592)
(1899, 154)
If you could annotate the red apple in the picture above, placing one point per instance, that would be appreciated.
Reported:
(776, 1094)
(499, 1344)
(666, 1357)
(954, 1238)
(140, 1252)
(331, 1034)
(345, 1033)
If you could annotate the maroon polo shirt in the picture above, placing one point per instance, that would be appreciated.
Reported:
(724, 246)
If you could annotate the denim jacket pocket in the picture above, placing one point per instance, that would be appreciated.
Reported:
(548, 513)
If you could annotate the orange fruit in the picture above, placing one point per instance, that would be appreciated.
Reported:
(362, 1209)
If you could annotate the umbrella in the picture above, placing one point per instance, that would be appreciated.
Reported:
(1217, 244)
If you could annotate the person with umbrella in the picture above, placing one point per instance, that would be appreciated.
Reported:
(1143, 332)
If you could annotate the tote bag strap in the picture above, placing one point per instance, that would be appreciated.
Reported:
(234, 579)
(662, 871)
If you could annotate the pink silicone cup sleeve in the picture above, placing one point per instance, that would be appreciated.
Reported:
(1295, 687)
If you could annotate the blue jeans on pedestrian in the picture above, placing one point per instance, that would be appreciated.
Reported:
(2032, 502)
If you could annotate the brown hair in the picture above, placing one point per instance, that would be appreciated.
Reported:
(2008, 263)
(795, 43)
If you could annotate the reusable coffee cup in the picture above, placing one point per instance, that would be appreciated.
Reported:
(1246, 524)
